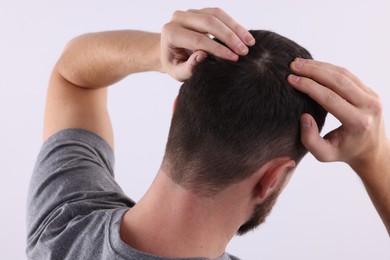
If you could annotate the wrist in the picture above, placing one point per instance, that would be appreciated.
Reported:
(374, 167)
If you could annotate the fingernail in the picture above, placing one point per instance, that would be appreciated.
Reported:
(231, 55)
(305, 122)
(295, 78)
(242, 48)
(299, 62)
(249, 39)
(199, 58)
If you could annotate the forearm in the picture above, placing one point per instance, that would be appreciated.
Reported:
(100, 59)
(376, 178)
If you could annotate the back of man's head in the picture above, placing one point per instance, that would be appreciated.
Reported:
(233, 117)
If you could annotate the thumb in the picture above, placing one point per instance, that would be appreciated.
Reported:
(187, 68)
(196, 57)
(321, 149)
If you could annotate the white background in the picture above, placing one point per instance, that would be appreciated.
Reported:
(323, 214)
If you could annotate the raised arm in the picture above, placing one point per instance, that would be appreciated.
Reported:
(361, 140)
(77, 94)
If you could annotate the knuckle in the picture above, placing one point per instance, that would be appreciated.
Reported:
(168, 28)
(363, 124)
(374, 94)
(164, 28)
(216, 10)
(176, 15)
(209, 21)
(376, 106)
(220, 49)
(331, 98)
(341, 79)
(230, 35)
(343, 71)
(237, 28)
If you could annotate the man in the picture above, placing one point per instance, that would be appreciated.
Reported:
(213, 182)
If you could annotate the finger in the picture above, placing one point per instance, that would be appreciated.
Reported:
(191, 40)
(327, 98)
(352, 76)
(338, 79)
(321, 149)
(186, 69)
(241, 32)
(208, 23)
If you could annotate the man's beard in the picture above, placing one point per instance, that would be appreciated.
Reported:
(260, 213)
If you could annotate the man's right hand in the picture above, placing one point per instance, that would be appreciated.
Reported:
(361, 140)
(185, 40)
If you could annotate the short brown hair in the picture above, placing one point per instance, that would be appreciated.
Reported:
(232, 117)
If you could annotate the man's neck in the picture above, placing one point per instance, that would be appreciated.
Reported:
(170, 221)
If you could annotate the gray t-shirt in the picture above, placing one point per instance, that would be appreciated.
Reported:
(75, 206)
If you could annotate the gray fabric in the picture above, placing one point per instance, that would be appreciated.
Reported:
(75, 206)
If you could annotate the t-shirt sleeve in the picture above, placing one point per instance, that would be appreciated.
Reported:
(73, 177)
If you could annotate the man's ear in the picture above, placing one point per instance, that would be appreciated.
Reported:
(272, 176)
(174, 105)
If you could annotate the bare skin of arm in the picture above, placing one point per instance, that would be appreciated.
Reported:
(77, 94)
(361, 140)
